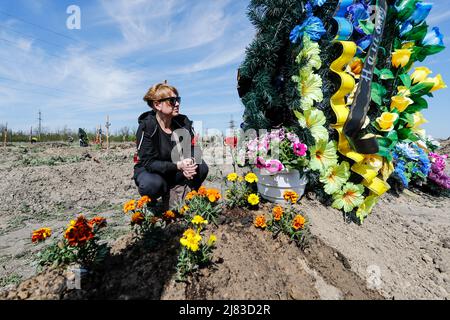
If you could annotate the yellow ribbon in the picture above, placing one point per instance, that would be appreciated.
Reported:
(362, 165)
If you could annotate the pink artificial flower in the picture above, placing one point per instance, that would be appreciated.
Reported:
(274, 166)
(260, 163)
(300, 149)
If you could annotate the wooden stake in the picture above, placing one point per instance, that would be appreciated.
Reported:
(6, 135)
(107, 125)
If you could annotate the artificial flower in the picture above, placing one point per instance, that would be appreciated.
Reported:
(323, 155)
(366, 207)
(251, 177)
(334, 177)
(253, 199)
(199, 220)
(434, 38)
(438, 83)
(400, 57)
(298, 222)
(386, 121)
(356, 67)
(314, 120)
(405, 28)
(212, 240)
(129, 206)
(310, 88)
(420, 74)
(349, 197)
(312, 26)
(137, 218)
(421, 13)
(277, 213)
(363, 43)
(41, 234)
(260, 222)
(290, 196)
(373, 160)
(418, 120)
(400, 103)
(310, 54)
(358, 12)
(403, 91)
(260, 163)
(232, 176)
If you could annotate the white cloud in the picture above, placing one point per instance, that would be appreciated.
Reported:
(436, 18)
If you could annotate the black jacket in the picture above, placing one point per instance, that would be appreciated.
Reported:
(148, 143)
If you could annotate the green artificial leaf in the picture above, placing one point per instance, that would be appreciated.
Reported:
(404, 133)
(367, 26)
(406, 80)
(393, 136)
(434, 49)
(417, 33)
(420, 53)
(378, 92)
(386, 74)
(385, 152)
(422, 88)
(419, 105)
(405, 9)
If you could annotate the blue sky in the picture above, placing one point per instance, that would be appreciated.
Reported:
(77, 77)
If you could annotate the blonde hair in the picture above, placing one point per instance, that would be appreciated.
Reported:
(159, 91)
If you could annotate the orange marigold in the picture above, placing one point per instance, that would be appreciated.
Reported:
(169, 214)
(202, 191)
(190, 195)
(298, 222)
(137, 218)
(290, 196)
(143, 201)
(277, 213)
(99, 221)
(41, 234)
(79, 233)
(213, 195)
(260, 222)
(129, 206)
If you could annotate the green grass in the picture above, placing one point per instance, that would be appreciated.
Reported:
(13, 278)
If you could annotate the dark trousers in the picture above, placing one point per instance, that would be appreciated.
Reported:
(155, 185)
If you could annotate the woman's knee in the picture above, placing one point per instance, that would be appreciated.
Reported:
(151, 184)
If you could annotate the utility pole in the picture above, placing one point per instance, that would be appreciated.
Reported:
(40, 128)
(31, 134)
(107, 125)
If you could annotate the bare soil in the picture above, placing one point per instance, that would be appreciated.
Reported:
(402, 251)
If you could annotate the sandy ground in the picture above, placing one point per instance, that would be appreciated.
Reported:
(402, 251)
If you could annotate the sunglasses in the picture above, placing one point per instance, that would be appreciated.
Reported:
(172, 100)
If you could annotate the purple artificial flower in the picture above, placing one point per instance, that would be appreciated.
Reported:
(357, 12)
(260, 163)
(300, 149)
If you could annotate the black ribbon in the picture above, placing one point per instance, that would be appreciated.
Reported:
(361, 103)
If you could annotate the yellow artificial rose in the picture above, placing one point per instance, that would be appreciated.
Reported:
(400, 103)
(403, 91)
(386, 121)
(418, 120)
(400, 57)
(438, 83)
(420, 74)
(408, 45)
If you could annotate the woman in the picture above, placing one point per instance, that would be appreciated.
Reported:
(161, 164)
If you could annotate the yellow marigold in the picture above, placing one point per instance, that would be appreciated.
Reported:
(191, 240)
(260, 222)
(169, 214)
(253, 199)
(232, 176)
(212, 240)
(290, 196)
(41, 234)
(298, 222)
(277, 213)
(213, 195)
(129, 206)
(251, 177)
(199, 220)
(202, 191)
(191, 195)
(143, 201)
(183, 209)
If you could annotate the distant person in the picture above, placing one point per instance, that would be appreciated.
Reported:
(83, 138)
(161, 164)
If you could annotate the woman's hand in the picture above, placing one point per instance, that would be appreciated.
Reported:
(188, 168)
